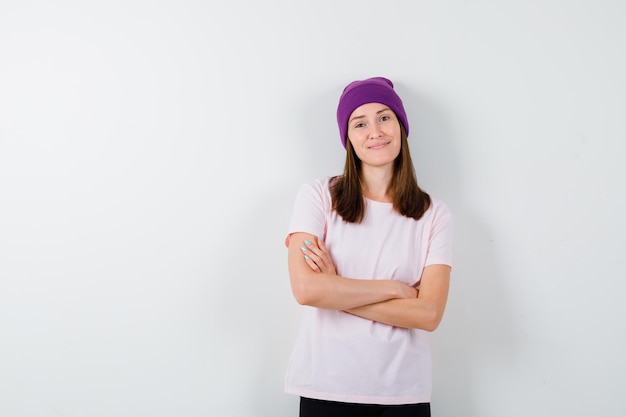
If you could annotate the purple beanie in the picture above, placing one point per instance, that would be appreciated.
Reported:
(373, 90)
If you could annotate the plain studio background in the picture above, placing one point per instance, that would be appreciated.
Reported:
(150, 153)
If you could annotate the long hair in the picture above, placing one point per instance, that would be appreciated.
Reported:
(408, 198)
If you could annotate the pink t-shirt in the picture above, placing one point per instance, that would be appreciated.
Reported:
(342, 357)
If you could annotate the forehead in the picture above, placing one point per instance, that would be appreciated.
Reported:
(368, 109)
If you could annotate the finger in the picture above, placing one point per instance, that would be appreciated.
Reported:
(311, 264)
(322, 245)
(319, 249)
(319, 255)
(323, 254)
(317, 263)
(312, 250)
(316, 259)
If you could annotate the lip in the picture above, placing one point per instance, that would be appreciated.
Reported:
(379, 145)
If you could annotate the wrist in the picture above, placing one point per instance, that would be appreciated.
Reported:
(398, 290)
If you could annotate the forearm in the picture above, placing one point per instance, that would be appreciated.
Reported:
(424, 312)
(408, 313)
(338, 293)
(314, 280)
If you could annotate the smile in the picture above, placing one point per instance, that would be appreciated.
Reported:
(378, 146)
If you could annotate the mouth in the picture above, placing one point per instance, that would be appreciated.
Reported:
(378, 146)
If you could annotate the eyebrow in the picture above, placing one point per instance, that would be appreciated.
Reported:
(362, 116)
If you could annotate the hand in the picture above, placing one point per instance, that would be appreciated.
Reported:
(406, 291)
(317, 257)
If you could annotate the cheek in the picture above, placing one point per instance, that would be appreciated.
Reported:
(354, 141)
(357, 137)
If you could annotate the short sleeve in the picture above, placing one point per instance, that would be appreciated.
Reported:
(440, 237)
(310, 208)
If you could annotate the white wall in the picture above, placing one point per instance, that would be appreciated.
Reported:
(149, 157)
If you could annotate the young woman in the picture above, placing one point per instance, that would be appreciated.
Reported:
(370, 255)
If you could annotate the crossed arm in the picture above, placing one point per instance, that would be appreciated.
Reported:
(314, 282)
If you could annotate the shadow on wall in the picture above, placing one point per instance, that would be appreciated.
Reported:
(476, 335)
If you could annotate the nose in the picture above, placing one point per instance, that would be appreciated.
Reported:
(375, 131)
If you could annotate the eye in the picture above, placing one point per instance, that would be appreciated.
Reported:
(359, 125)
(385, 117)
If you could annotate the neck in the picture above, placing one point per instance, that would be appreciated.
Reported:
(375, 183)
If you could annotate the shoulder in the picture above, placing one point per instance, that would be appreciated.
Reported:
(438, 211)
(315, 193)
(438, 205)
(320, 186)
(321, 183)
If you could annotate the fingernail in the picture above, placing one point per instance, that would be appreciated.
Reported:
(322, 238)
(303, 248)
(307, 258)
(306, 242)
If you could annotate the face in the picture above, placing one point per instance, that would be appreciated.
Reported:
(374, 132)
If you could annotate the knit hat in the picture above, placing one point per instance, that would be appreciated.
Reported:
(371, 90)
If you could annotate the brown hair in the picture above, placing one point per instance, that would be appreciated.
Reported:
(408, 198)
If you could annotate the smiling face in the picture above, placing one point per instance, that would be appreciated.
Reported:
(374, 132)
